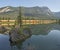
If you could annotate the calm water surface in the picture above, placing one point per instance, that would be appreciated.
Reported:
(48, 41)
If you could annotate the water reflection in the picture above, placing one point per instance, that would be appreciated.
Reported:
(44, 29)
(42, 42)
(44, 37)
(18, 44)
(4, 42)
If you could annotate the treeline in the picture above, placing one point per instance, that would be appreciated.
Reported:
(5, 18)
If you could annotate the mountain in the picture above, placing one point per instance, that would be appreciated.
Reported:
(57, 14)
(5, 10)
(9, 12)
(27, 12)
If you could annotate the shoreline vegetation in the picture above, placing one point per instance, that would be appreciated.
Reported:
(24, 22)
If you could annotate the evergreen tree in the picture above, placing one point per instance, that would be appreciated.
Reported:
(19, 18)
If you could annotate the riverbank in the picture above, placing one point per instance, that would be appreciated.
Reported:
(24, 22)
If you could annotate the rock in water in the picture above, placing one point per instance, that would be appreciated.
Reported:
(16, 35)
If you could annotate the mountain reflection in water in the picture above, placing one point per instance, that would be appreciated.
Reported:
(44, 37)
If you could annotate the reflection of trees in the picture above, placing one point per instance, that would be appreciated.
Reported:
(39, 29)
(59, 21)
(43, 29)
(17, 44)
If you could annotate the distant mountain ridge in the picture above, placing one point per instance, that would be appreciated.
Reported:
(57, 14)
(29, 12)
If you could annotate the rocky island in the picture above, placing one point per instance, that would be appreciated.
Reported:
(19, 34)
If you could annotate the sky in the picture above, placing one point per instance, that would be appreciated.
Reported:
(53, 5)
